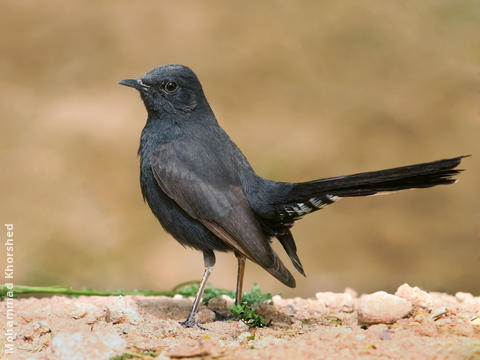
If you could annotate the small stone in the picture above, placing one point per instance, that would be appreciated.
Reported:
(87, 311)
(276, 299)
(205, 315)
(380, 307)
(123, 310)
(243, 336)
(221, 305)
(463, 296)
(351, 292)
(335, 301)
(415, 295)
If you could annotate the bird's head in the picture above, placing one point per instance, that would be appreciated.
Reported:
(169, 88)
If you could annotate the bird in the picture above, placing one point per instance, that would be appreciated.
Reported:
(204, 192)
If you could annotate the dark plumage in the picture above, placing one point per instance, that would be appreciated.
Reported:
(205, 193)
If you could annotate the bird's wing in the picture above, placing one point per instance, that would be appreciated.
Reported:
(203, 186)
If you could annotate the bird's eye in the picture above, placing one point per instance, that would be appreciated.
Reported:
(171, 86)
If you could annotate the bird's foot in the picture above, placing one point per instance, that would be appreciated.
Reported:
(191, 323)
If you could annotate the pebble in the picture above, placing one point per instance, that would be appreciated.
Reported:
(415, 295)
(335, 301)
(123, 310)
(382, 308)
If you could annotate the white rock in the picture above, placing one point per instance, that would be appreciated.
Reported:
(335, 300)
(350, 291)
(380, 307)
(123, 310)
(276, 299)
(243, 336)
(205, 315)
(87, 310)
(415, 295)
(463, 296)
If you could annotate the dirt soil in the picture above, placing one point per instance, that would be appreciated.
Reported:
(411, 324)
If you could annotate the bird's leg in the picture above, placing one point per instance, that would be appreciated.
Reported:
(190, 322)
(240, 272)
(209, 260)
(238, 294)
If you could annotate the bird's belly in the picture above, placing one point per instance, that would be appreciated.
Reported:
(185, 229)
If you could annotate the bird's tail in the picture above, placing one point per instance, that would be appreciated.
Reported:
(300, 199)
(440, 172)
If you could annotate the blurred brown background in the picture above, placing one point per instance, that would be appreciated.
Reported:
(307, 89)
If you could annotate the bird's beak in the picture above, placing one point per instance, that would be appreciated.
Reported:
(134, 83)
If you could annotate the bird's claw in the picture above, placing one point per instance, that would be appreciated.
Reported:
(189, 323)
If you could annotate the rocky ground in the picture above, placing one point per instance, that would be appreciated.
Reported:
(412, 324)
